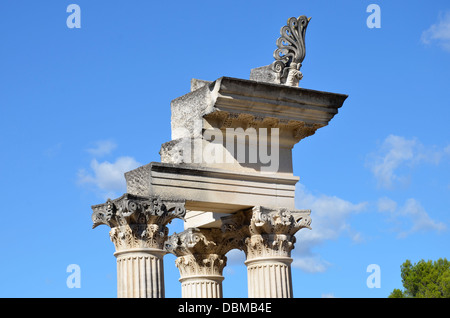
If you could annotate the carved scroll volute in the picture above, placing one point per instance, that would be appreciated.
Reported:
(191, 241)
(104, 214)
(129, 211)
(291, 51)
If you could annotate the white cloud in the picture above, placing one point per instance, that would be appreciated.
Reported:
(102, 148)
(310, 263)
(386, 204)
(396, 152)
(108, 177)
(329, 216)
(447, 150)
(235, 257)
(439, 32)
(409, 218)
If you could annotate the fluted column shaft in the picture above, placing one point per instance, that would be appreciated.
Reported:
(268, 250)
(269, 266)
(140, 273)
(269, 278)
(201, 287)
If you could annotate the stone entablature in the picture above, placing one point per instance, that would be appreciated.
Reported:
(263, 118)
(212, 189)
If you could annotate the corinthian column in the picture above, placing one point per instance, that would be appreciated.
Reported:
(200, 260)
(138, 231)
(268, 250)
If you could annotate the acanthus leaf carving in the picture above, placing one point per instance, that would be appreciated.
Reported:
(199, 251)
(272, 231)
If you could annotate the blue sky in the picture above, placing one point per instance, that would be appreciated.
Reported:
(78, 107)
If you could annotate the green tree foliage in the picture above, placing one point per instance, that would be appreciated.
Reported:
(425, 279)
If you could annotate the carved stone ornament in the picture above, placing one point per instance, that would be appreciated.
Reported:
(201, 265)
(199, 251)
(137, 222)
(291, 51)
(272, 231)
(278, 221)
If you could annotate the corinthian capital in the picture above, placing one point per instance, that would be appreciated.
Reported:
(272, 231)
(199, 251)
(137, 222)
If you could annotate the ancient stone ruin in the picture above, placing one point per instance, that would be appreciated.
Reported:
(228, 174)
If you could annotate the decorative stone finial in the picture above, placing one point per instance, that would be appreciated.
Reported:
(291, 51)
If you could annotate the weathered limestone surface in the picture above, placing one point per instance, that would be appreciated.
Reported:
(265, 74)
(211, 124)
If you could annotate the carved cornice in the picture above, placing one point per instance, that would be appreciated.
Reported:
(297, 129)
(232, 103)
(136, 221)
